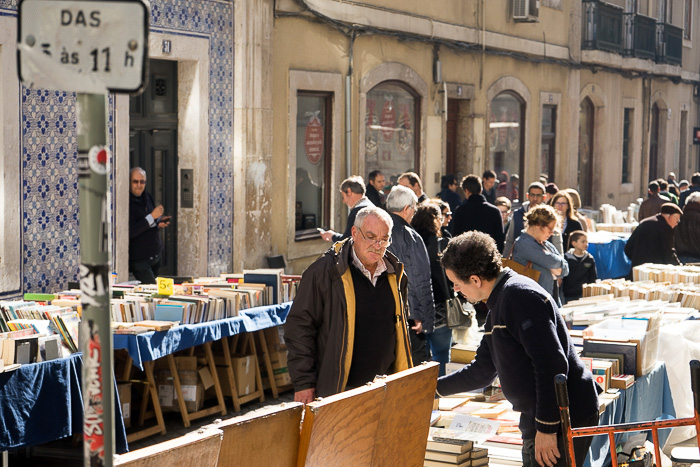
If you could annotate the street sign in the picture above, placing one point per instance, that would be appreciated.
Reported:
(83, 46)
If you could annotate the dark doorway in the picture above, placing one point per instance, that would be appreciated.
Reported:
(585, 152)
(153, 147)
(548, 156)
(654, 144)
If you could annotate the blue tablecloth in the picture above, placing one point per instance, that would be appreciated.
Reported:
(43, 402)
(153, 345)
(610, 259)
(647, 400)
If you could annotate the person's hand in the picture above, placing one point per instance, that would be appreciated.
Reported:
(327, 235)
(157, 212)
(306, 396)
(556, 271)
(546, 450)
(417, 326)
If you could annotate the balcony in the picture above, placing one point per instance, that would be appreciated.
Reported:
(602, 26)
(640, 36)
(669, 44)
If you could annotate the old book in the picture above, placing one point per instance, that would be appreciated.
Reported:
(432, 463)
(462, 353)
(444, 435)
(452, 458)
(622, 381)
(627, 349)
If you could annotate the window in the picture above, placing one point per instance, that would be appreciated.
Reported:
(313, 143)
(687, 19)
(506, 139)
(549, 122)
(626, 150)
(390, 130)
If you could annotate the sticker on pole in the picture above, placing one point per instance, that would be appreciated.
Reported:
(83, 46)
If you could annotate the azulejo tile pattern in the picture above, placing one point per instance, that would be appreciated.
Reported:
(50, 227)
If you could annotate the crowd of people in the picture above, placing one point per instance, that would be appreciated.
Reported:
(377, 301)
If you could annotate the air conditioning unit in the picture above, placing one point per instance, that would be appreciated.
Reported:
(526, 10)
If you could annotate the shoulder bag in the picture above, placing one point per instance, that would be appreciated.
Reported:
(520, 269)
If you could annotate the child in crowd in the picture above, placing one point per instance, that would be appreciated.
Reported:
(581, 266)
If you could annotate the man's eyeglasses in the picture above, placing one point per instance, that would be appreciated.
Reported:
(138, 182)
(376, 241)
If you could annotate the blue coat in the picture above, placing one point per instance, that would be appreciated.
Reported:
(409, 248)
(544, 256)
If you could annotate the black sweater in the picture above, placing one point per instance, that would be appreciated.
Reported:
(526, 345)
(144, 240)
(581, 271)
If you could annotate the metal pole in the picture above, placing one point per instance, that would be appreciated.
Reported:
(95, 334)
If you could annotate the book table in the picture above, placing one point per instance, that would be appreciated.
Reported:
(42, 402)
(144, 349)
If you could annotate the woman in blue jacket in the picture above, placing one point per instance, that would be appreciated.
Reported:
(532, 246)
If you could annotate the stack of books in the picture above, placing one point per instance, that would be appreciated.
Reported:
(447, 447)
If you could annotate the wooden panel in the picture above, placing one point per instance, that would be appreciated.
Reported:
(405, 420)
(196, 448)
(267, 438)
(340, 430)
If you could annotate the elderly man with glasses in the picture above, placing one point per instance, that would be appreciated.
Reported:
(409, 248)
(145, 218)
(535, 196)
(348, 322)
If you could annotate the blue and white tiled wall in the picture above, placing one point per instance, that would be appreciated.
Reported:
(50, 239)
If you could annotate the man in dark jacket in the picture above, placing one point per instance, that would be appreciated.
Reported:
(526, 344)
(652, 240)
(652, 205)
(488, 180)
(145, 220)
(477, 214)
(375, 187)
(535, 196)
(353, 192)
(694, 187)
(687, 234)
(348, 322)
(409, 248)
(449, 193)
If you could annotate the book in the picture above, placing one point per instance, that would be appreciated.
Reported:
(444, 435)
(450, 457)
(170, 312)
(463, 353)
(440, 446)
(271, 277)
(26, 349)
(627, 349)
(432, 463)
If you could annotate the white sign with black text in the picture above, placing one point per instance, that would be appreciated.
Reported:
(83, 46)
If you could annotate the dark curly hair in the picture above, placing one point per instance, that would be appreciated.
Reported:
(472, 254)
(424, 219)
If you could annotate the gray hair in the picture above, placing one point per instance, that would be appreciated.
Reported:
(379, 213)
(399, 198)
(136, 169)
(693, 198)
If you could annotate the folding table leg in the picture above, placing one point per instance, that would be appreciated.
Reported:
(178, 390)
(268, 364)
(229, 370)
(215, 377)
(152, 390)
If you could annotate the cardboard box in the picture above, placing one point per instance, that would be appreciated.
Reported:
(124, 390)
(192, 388)
(243, 372)
(278, 360)
(274, 337)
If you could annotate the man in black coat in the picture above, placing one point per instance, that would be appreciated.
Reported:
(652, 240)
(476, 213)
(145, 220)
(353, 192)
(375, 188)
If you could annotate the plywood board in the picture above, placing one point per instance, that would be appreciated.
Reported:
(405, 419)
(264, 437)
(196, 448)
(341, 430)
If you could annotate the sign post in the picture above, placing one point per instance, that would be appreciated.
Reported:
(92, 48)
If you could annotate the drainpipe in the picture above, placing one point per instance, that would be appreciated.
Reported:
(348, 110)
(646, 122)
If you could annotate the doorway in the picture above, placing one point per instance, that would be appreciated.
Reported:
(153, 147)
(458, 154)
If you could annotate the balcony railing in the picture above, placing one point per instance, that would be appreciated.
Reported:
(640, 36)
(603, 26)
(669, 44)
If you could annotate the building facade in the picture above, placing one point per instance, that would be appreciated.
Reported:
(257, 109)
